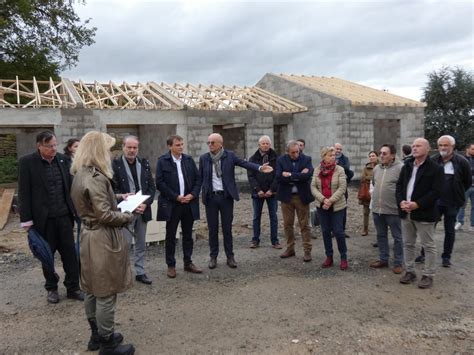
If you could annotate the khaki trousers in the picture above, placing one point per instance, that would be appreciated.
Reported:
(302, 212)
(102, 309)
(425, 230)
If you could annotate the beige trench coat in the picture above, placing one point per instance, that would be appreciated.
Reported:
(338, 188)
(105, 264)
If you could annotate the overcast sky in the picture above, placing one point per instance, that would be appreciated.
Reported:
(388, 45)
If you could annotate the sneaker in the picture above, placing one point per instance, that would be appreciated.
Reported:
(408, 278)
(446, 262)
(425, 282)
(420, 259)
(458, 226)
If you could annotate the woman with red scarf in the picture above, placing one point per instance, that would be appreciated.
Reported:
(328, 187)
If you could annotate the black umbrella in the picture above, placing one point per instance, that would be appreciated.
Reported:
(41, 250)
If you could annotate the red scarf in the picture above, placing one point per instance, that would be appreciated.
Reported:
(327, 170)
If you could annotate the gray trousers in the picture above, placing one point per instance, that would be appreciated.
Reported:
(425, 230)
(102, 309)
(138, 226)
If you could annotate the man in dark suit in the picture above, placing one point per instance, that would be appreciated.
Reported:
(264, 188)
(132, 174)
(294, 172)
(178, 181)
(219, 191)
(45, 204)
(419, 186)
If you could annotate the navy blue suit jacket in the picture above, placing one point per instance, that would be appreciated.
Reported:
(167, 182)
(228, 162)
(301, 180)
(121, 185)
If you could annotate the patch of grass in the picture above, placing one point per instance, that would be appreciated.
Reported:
(8, 170)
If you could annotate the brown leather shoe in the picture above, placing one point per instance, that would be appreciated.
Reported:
(277, 246)
(287, 253)
(378, 264)
(253, 245)
(397, 269)
(307, 256)
(192, 268)
(171, 273)
(231, 262)
(364, 233)
(425, 282)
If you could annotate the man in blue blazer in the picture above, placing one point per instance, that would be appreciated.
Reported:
(293, 173)
(178, 180)
(132, 174)
(219, 191)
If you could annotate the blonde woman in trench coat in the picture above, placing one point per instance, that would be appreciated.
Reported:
(105, 265)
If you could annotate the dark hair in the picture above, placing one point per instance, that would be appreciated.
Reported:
(302, 141)
(69, 144)
(406, 149)
(392, 148)
(45, 137)
(170, 140)
(375, 152)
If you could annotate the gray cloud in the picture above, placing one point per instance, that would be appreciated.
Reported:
(391, 45)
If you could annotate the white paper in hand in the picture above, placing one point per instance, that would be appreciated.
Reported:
(132, 202)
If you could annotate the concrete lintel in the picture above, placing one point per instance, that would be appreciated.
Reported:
(30, 117)
(140, 117)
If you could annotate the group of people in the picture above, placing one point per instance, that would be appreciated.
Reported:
(55, 190)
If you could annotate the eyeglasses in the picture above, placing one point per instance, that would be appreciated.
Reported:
(50, 146)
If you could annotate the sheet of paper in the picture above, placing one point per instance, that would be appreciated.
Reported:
(132, 202)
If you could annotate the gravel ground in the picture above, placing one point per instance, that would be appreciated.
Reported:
(267, 305)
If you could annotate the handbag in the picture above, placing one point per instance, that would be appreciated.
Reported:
(364, 194)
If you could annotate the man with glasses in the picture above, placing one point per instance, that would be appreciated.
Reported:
(219, 191)
(385, 209)
(45, 205)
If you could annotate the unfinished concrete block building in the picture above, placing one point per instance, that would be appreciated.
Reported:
(359, 117)
(320, 110)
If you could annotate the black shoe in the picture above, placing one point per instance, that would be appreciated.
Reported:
(77, 295)
(94, 341)
(231, 262)
(143, 279)
(375, 245)
(213, 262)
(347, 235)
(108, 346)
(446, 262)
(53, 297)
(420, 259)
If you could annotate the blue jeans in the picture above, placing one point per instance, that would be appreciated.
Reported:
(382, 222)
(272, 205)
(469, 196)
(333, 223)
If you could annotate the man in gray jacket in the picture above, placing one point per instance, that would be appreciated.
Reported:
(385, 208)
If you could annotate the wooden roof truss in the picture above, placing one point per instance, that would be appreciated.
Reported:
(147, 96)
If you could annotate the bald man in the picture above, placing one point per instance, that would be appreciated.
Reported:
(419, 187)
(219, 191)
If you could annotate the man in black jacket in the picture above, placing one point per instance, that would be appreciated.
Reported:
(178, 181)
(264, 187)
(132, 174)
(45, 204)
(418, 188)
(457, 179)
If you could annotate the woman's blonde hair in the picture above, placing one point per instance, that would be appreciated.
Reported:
(94, 150)
(326, 150)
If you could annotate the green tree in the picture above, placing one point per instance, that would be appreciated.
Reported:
(40, 37)
(449, 97)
